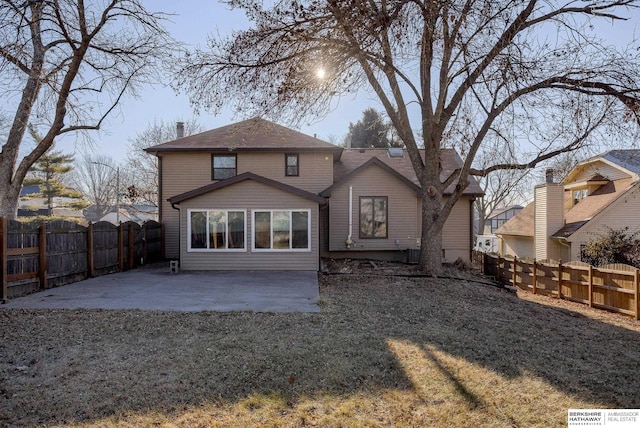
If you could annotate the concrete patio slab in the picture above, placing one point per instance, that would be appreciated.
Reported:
(155, 288)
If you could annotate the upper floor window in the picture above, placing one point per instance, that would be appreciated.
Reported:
(579, 195)
(373, 217)
(292, 165)
(223, 166)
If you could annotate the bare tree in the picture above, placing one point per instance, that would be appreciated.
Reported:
(532, 72)
(68, 64)
(95, 177)
(142, 166)
(502, 188)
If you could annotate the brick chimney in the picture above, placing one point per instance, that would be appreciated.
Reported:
(548, 175)
(179, 130)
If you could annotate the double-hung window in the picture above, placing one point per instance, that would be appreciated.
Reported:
(211, 230)
(223, 166)
(373, 217)
(281, 230)
(292, 165)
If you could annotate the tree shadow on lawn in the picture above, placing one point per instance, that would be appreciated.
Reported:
(74, 366)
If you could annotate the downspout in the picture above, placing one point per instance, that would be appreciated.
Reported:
(471, 224)
(565, 243)
(173, 205)
(349, 242)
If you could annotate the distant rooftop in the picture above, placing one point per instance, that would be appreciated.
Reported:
(629, 159)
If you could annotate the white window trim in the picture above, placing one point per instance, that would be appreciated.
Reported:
(215, 250)
(277, 250)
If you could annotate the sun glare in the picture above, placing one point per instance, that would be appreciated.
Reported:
(320, 73)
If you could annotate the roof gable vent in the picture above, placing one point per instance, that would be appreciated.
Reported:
(395, 152)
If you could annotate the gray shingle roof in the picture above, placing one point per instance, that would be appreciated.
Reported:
(628, 159)
(353, 159)
(255, 134)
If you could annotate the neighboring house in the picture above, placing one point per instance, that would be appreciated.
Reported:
(256, 196)
(498, 217)
(600, 193)
(136, 213)
(30, 204)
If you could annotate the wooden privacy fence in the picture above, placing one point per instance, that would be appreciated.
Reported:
(36, 257)
(614, 287)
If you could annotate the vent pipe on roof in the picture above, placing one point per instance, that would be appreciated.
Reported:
(548, 175)
(179, 130)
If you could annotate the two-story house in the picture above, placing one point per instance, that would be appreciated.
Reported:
(498, 217)
(601, 193)
(255, 195)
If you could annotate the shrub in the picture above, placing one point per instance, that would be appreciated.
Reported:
(615, 246)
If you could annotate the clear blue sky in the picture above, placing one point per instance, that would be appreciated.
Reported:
(192, 22)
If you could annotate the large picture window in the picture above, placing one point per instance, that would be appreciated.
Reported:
(373, 217)
(223, 166)
(217, 230)
(281, 230)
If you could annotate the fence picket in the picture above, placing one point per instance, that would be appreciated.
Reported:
(4, 283)
(534, 280)
(42, 256)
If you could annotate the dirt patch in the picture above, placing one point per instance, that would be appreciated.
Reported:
(383, 351)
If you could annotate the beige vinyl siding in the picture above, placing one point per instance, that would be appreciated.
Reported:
(622, 213)
(250, 195)
(404, 213)
(456, 234)
(602, 168)
(182, 172)
(401, 214)
(519, 246)
(548, 219)
(315, 169)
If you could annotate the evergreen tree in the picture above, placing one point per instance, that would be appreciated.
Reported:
(372, 131)
(48, 173)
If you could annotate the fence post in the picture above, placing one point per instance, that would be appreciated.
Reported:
(162, 241)
(3, 260)
(498, 270)
(591, 286)
(484, 263)
(120, 248)
(131, 259)
(637, 284)
(560, 279)
(145, 254)
(91, 270)
(42, 255)
(534, 281)
(515, 271)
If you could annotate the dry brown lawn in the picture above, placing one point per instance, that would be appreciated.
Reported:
(384, 351)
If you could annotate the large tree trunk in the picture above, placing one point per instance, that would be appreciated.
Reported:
(431, 239)
(9, 195)
(432, 214)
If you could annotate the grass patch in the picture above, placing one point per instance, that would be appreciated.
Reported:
(384, 351)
